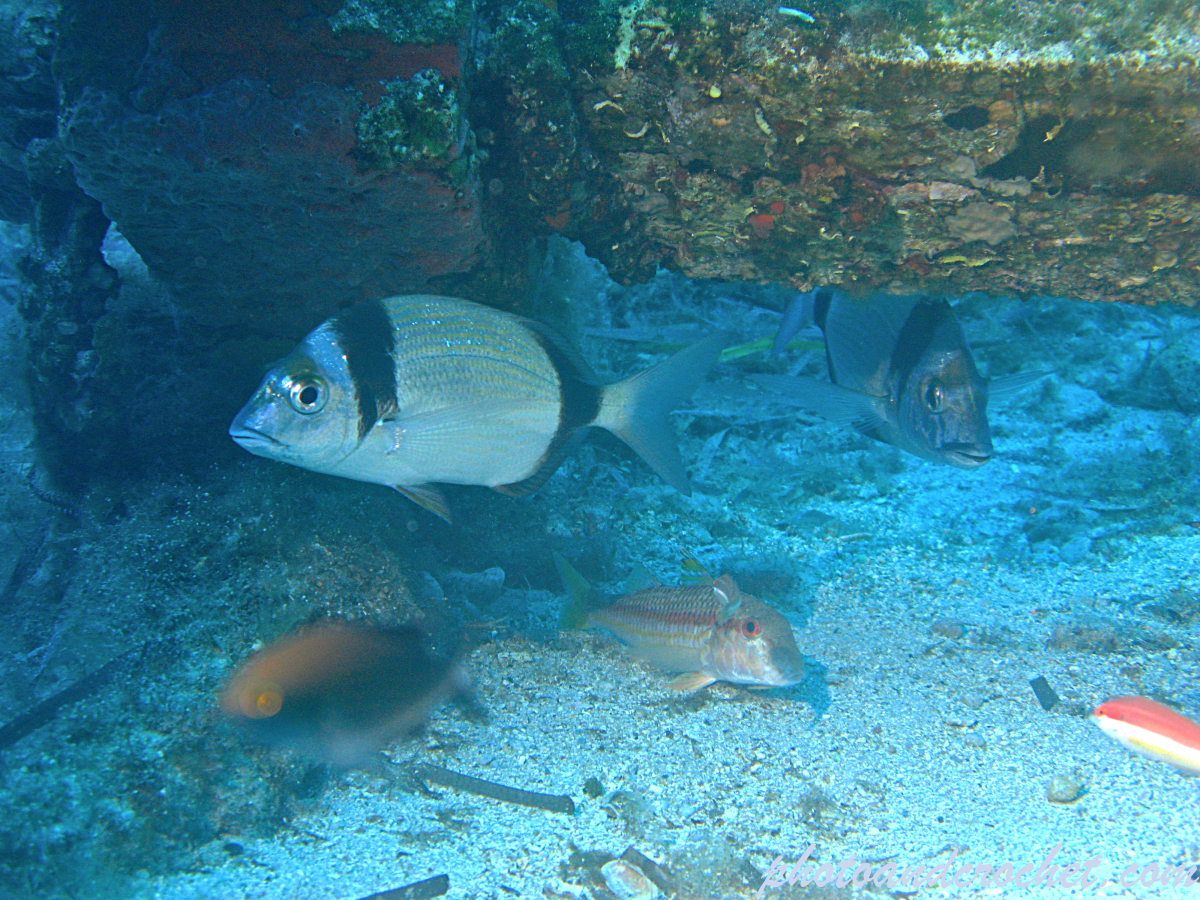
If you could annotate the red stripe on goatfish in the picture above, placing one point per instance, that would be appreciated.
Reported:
(711, 632)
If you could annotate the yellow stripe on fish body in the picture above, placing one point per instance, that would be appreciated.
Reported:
(414, 390)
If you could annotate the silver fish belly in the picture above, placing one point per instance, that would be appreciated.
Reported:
(478, 400)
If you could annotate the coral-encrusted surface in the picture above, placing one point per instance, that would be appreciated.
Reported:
(927, 143)
(279, 165)
(259, 213)
(267, 168)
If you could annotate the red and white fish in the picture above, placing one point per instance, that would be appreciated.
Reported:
(1151, 729)
(710, 632)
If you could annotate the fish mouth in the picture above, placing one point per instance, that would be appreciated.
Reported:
(966, 456)
(250, 437)
(789, 677)
(787, 668)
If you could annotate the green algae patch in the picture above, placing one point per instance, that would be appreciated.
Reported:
(417, 123)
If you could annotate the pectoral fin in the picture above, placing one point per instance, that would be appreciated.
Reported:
(1005, 386)
(838, 404)
(693, 681)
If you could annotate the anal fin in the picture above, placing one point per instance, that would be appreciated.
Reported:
(830, 401)
(560, 447)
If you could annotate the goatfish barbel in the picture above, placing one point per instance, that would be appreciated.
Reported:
(901, 371)
(710, 632)
(339, 693)
(417, 390)
(1151, 729)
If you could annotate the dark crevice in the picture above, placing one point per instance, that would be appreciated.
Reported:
(1043, 147)
(968, 118)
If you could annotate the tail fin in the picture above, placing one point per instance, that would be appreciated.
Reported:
(581, 596)
(798, 315)
(635, 410)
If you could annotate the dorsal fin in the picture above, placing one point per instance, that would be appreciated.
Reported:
(727, 589)
(691, 572)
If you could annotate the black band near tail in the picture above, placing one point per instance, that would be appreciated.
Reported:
(578, 406)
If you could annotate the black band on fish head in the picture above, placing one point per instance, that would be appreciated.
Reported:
(365, 334)
(915, 337)
(822, 297)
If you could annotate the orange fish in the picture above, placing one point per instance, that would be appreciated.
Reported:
(1151, 729)
(340, 693)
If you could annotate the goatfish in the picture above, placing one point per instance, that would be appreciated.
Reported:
(901, 371)
(1151, 729)
(339, 693)
(710, 632)
(416, 390)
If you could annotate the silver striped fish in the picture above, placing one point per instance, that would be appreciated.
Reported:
(710, 632)
(418, 390)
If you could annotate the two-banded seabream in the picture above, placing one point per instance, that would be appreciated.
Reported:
(418, 390)
(901, 371)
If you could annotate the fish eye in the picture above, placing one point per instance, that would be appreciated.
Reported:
(935, 396)
(267, 703)
(750, 628)
(307, 396)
